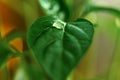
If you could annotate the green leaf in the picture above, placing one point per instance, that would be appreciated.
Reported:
(5, 54)
(55, 7)
(59, 46)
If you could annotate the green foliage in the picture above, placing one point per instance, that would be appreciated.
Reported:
(5, 53)
(55, 7)
(59, 46)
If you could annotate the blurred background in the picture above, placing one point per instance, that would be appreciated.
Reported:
(101, 61)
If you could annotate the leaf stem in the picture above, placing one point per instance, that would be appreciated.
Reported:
(101, 8)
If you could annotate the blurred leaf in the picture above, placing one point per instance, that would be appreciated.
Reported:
(55, 7)
(31, 66)
(5, 53)
(28, 70)
(58, 46)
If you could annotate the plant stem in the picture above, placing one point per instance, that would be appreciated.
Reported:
(100, 8)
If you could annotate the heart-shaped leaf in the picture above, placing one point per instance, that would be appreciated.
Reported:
(59, 46)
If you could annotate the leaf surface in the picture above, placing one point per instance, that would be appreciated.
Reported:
(59, 46)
